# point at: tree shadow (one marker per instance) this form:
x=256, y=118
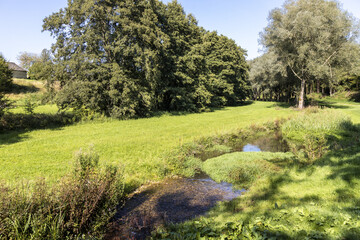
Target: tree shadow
x=210, y=109
x=282, y=105
x=329, y=104
x=169, y=202
x=18, y=89
x=14, y=126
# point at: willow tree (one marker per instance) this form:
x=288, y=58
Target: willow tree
x=309, y=37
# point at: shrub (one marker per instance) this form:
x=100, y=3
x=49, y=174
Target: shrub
x=80, y=205
x=29, y=106
x=5, y=104
x=5, y=75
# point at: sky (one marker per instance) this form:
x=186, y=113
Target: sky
x=242, y=20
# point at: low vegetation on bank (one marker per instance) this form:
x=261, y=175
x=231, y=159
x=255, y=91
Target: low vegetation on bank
x=80, y=204
x=297, y=199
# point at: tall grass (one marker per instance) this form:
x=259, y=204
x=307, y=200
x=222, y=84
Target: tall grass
x=314, y=131
x=80, y=205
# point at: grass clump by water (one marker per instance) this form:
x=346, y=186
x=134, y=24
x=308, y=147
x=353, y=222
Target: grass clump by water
x=243, y=168
x=301, y=201
x=79, y=206
x=313, y=132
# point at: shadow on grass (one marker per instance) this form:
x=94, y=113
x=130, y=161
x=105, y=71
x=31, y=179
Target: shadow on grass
x=329, y=104
x=184, y=113
x=17, y=89
x=13, y=127
x=282, y=105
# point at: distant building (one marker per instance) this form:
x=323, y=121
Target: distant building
x=18, y=72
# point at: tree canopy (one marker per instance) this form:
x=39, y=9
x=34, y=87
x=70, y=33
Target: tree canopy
x=129, y=58
x=312, y=39
x=5, y=75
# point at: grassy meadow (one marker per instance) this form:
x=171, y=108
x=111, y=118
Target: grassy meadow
x=310, y=193
x=138, y=144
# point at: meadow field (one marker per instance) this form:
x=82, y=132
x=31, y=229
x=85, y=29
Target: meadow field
x=311, y=191
x=137, y=145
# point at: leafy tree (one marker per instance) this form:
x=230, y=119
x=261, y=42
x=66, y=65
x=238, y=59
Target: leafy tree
x=214, y=73
x=27, y=59
x=127, y=58
x=42, y=67
x=310, y=37
x=5, y=84
x=5, y=75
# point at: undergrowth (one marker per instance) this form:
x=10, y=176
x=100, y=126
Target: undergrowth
x=79, y=206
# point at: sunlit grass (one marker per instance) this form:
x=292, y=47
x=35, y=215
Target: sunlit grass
x=317, y=200
x=136, y=144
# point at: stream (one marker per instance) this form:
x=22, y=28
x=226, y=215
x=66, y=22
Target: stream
x=180, y=199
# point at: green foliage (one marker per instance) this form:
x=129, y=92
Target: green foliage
x=29, y=106
x=5, y=104
x=315, y=130
x=136, y=58
x=243, y=168
x=5, y=75
x=214, y=73
x=318, y=201
x=311, y=38
x=80, y=205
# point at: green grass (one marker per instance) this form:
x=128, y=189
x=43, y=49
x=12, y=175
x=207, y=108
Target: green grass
x=302, y=201
x=243, y=168
x=136, y=144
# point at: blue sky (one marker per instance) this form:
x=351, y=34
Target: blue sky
x=241, y=20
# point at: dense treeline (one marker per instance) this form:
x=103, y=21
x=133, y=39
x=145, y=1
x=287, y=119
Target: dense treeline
x=311, y=46
x=129, y=58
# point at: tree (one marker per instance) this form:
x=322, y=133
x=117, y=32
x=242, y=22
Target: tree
x=309, y=37
x=5, y=84
x=128, y=58
x=214, y=73
x=42, y=67
x=27, y=59
x=5, y=75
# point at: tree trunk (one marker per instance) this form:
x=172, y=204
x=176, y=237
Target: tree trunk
x=302, y=94
x=317, y=86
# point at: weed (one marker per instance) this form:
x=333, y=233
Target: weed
x=81, y=204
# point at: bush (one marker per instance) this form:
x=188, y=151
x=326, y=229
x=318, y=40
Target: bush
x=29, y=106
x=80, y=205
x=5, y=75
x=5, y=104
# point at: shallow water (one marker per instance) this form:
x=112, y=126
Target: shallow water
x=251, y=148
x=173, y=200
x=180, y=199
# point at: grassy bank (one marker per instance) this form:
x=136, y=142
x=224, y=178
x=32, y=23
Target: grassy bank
x=315, y=199
x=137, y=144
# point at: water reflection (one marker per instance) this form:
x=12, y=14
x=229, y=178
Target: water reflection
x=251, y=148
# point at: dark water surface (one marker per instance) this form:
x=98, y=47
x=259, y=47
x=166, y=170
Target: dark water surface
x=180, y=199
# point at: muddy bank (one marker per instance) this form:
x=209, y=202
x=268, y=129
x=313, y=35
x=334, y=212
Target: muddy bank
x=172, y=201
